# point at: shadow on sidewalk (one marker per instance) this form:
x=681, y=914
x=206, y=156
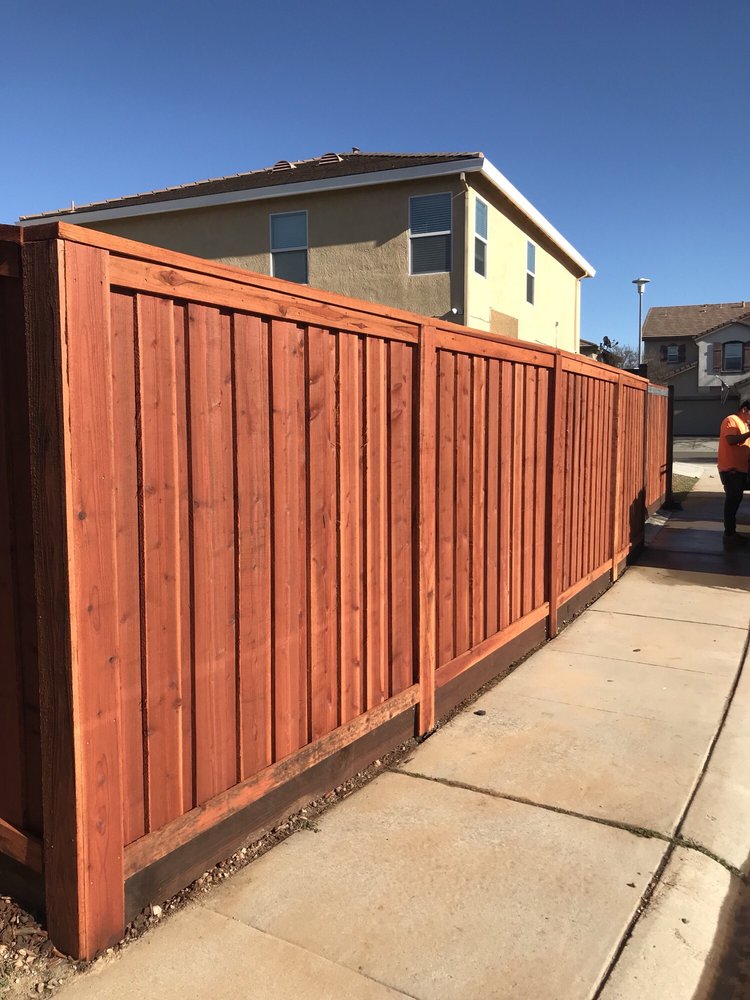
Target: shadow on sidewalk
x=726, y=974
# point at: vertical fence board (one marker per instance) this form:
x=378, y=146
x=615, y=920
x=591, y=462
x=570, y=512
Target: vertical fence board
x=376, y=523
x=478, y=498
x=462, y=572
x=506, y=493
x=493, y=495
x=402, y=472
x=517, y=520
x=541, y=509
x=254, y=542
x=530, y=496
x=162, y=568
x=351, y=494
x=446, y=506
x=213, y=552
x=128, y=575
x=426, y=528
x=290, y=540
x=323, y=521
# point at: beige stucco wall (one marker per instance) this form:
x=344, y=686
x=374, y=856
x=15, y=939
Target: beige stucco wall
x=358, y=241
x=706, y=375
x=555, y=316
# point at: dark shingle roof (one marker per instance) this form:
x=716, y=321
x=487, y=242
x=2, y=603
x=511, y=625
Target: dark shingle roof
x=690, y=321
x=282, y=172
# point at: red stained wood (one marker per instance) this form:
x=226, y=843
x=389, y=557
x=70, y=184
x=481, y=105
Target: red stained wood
x=556, y=464
x=426, y=528
x=212, y=481
x=290, y=540
x=530, y=493
x=162, y=567
x=401, y=477
x=128, y=567
x=517, y=484
x=478, y=499
x=351, y=497
x=506, y=493
x=493, y=497
x=323, y=520
x=376, y=522
x=254, y=542
x=446, y=505
x=541, y=508
x=462, y=572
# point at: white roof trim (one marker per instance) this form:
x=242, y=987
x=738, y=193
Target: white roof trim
x=81, y=216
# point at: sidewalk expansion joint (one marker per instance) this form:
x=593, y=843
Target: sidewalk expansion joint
x=677, y=840
x=665, y=618
x=637, y=663
x=637, y=831
x=316, y=954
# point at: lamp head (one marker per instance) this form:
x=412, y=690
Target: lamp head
x=641, y=283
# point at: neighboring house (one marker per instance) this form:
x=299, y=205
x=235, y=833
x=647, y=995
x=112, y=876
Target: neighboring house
x=443, y=234
x=588, y=349
x=703, y=351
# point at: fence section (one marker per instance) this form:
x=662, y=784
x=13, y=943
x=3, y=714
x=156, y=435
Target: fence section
x=657, y=437
x=272, y=523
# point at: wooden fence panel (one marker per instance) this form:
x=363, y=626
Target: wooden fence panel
x=290, y=522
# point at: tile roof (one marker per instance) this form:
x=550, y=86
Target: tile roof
x=691, y=321
x=282, y=172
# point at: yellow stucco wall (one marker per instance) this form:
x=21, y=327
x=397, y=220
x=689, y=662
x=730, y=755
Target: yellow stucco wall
x=358, y=241
x=554, y=318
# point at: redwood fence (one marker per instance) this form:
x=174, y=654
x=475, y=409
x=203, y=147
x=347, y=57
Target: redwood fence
x=252, y=536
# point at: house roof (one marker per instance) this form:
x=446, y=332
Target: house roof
x=691, y=321
x=678, y=371
x=742, y=320
x=327, y=172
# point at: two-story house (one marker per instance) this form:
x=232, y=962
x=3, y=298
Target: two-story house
x=704, y=352
x=442, y=234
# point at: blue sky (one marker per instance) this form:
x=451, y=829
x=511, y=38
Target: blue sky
x=628, y=126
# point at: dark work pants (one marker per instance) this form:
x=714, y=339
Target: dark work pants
x=734, y=485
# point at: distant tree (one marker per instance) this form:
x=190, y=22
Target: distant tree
x=612, y=352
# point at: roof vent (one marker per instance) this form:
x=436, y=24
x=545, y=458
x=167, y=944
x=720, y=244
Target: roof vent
x=330, y=158
x=283, y=165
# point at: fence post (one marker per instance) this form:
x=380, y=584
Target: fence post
x=615, y=479
x=70, y=385
x=669, y=501
x=426, y=578
x=645, y=476
x=554, y=498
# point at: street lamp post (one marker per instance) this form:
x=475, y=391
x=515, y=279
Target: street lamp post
x=640, y=284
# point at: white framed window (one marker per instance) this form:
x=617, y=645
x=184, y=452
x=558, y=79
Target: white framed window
x=480, y=237
x=530, y=272
x=289, y=246
x=430, y=226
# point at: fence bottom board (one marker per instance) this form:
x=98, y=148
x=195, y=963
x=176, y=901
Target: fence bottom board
x=25, y=885
x=577, y=602
x=495, y=665
x=178, y=869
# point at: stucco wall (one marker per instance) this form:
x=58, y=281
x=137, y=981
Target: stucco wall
x=706, y=374
x=554, y=317
x=652, y=349
x=358, y=241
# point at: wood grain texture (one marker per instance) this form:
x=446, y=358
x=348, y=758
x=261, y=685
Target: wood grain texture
x=446, y=506
x=478, y=550
x=351, y=535
x=402, y=474
x=427, y=529
x=462, y=571
x=506, y=492
x=323, y=505
x=213, y=569
x=493, y=498
x=290, y=541
x=254, y=542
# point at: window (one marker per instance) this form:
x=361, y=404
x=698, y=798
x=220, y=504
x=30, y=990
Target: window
x=673, y=354
x=430, y=233
x=289, y=246
x=732, y=357
x=530, y=272
x=480, y=238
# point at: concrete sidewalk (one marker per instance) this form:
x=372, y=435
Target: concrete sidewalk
x=578, y=832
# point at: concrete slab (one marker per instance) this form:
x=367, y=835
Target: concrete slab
x=687, y=645
x=640, y=690
x=732, y=562
x=446, y=893
x=719, y=817
x=199, y=953
x=672, y=952
x=593, y=761
x=712, y=599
